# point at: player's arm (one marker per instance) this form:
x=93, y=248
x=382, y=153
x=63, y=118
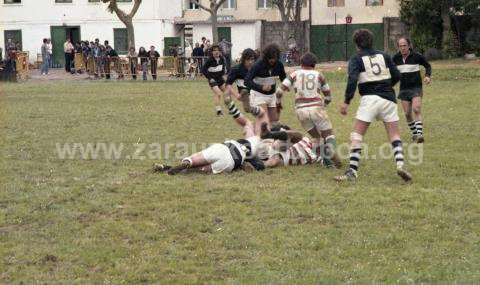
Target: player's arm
x=205, y=67
x=428, y=68
x=252, y=73
x=353, y=73
x=325, y=89
x=285, y=135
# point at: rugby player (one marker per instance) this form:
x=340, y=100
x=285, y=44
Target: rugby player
x=376, y=74
x=221, y=157
x=411, y=89
x=261, y=80
x=214, y=70
x=310, y=105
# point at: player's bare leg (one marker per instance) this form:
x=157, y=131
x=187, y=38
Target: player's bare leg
x=394, y=136
x=217, y=97
x=195, y=161
x=356, y=138
x=417, y=113
x=328, y=151
x=273, y=116
x=407, y=109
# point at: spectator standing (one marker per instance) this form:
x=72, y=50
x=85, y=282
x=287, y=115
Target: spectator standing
x=133, y=62
x=111, y=56
x=50, y=52
x=143, y=55
x=68, y=49
x=226, y=48
x=153, y=55
x=45, y=57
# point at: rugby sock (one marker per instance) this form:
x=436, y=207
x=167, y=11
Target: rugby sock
x=398, y=153
x=412, y=127
x=232, y=110
x=355, y=159
x=331, y=144
x=255, y=111
x=419, y=127
x=281, y=135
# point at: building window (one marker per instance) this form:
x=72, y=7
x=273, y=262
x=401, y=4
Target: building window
x=230, y=4
x=63, y=1
x=336, y=3
x=264, y=4
x=191, y=5
x=373, y=2
x=13, y=39
x=120, y=40
x=93, y=1
x=12, y=1
x=124, y=0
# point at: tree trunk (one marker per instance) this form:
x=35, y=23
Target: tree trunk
x=447, y=28
x=130, y=34
x=214, y=27
x=286, y=35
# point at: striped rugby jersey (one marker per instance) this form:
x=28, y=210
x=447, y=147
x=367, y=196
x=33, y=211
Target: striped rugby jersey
x=214, y=68
x=374, y=72
x=307, y=85
x=410, y=69
x=300, y=153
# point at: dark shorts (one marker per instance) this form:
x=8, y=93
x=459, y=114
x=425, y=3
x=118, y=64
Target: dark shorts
x=216, y=82
x=409, y=94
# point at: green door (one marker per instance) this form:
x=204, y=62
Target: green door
x=59, y=37
x=225, y=33
x=335, y=43
x=169, y=42
x=15, y=36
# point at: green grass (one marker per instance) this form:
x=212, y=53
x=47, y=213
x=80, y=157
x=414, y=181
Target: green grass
x=110, y=221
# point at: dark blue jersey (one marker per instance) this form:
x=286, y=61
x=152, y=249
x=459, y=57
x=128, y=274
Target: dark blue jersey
x=374, y=72
x=263, y=74
x=410, y=69
x=237, y=75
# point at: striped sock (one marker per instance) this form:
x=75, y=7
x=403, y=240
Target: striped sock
x=412, y=127
x=398, y=153
x=355, y=159
x=232, y=110
x=419, y=127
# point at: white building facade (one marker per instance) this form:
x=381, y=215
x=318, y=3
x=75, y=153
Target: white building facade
x=28, y=22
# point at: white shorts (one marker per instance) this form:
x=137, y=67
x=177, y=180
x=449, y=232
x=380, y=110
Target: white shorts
x=257, y=99
x=314, y=118
x=375, y=107
x=219, y=157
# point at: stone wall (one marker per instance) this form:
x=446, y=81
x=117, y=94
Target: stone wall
x=393, y=29
x=272, y=33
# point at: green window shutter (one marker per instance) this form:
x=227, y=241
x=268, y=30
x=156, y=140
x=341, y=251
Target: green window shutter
x=120, y=40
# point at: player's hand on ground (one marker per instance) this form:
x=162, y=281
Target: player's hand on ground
x=344, y=109
x=427, y=80
x=267, y=88
x=328, y=100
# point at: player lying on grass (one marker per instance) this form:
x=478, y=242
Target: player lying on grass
x=411, y=87
x=221, y=157
x=310, y=105
x=284, y=147
x=214, y=71
x=376, y=74
x=262, y=80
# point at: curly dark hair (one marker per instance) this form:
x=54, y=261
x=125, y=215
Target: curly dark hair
x=309, y=60
x=363, y=38
x=248, y=54
x=271, y=51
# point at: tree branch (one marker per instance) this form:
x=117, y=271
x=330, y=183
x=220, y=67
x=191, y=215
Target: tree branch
x=217, y=5
x=136, y=5
x=202, y=6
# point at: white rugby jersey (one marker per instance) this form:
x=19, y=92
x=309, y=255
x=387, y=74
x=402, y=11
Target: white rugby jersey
x=307, y=84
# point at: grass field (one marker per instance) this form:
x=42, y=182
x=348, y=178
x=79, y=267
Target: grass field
x=84, y=221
